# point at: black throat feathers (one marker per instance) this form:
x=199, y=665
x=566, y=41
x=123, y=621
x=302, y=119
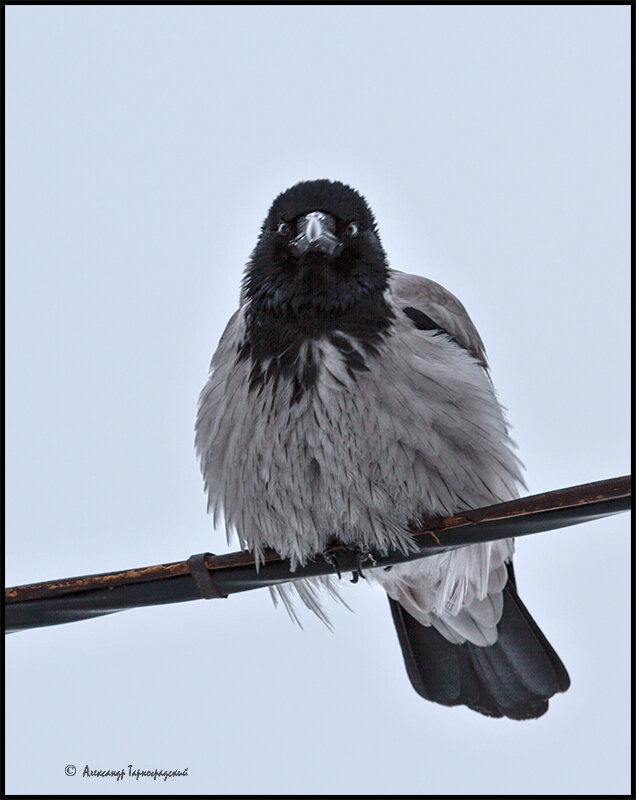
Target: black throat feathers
x=275, y=335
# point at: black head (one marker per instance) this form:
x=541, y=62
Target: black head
x=318, y=253
x=318, y=271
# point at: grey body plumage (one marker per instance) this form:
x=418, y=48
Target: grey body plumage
x=346, y=400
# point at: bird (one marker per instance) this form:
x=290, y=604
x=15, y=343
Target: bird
x=347, y=400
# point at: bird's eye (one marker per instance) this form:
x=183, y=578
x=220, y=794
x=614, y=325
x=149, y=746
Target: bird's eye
x=352, y=230
x=283, y=229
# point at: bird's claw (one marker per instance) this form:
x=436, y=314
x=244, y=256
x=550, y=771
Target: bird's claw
x=330, y=556
x=362, y=556
x=331, y=559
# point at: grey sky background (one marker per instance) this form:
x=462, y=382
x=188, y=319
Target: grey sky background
x=144, y=147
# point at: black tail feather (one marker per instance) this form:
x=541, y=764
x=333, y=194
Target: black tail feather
x=515, y=677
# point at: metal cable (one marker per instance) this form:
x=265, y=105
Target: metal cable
x=209, y=576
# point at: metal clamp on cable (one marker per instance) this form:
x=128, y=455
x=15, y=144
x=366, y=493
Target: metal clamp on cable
x=203, y=578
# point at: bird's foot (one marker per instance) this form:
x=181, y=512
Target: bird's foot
x=361, y=557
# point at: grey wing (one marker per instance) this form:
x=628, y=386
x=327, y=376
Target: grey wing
x=473, y=577
x=439, y=306
x=220, y=402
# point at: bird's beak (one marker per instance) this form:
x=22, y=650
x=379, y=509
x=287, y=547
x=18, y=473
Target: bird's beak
x=316, y=233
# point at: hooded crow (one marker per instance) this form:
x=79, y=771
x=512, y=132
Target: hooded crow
x=346, y=401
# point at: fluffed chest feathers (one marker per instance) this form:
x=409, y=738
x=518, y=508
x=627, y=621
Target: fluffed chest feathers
x=325, y=442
